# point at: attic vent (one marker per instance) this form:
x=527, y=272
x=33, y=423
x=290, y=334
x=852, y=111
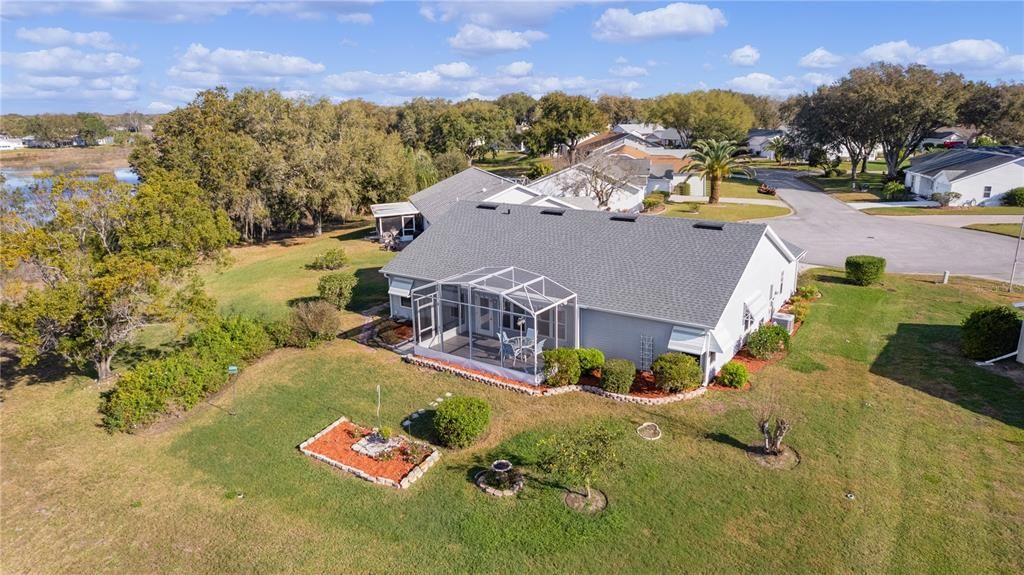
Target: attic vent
x=552, y=211
x=623, y=218
x=487, y=206
x=709, y=225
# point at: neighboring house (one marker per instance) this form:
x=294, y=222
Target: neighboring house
x=8, y=143
x=757, y=142
x=106, y=141
x=981, y=177
x=621, y=178
x=667, y=169
x=409, y=219
x=633, y=286
x=950, y=137
x=652, y=134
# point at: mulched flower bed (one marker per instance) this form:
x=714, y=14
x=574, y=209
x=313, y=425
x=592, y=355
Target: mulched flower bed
x=394, y=332
x=643, y=385
x=335, y=444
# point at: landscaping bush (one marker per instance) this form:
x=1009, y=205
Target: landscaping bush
x=652, y=201
x=894, y=191
x=590, y=359
x=944, y=199
x=990, y=332
x=1014, y=197
x=799, y=309
x=767, y=340
x=181, y=380
x=617, y=375
x=682, y=188
x=733, y=374
x=808, y=292
x=675, y=371
x=865, y=270
x=460, y=420
x=333, y=259
x=539, y=169
x=313, y=322
x=561, y=366
x=336, y=289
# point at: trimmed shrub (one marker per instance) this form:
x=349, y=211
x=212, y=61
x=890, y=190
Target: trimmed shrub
x=561, y=366
x=538, y=169
x=799, y=309
x=944, y=199
x=617, y=375
x=313, y=322
x=733, y=374
x=460, y=420
x=865, y=270
x=767, y=340
x=990, y=332
x=181, y=380
x=336, y=289
x=682, y=188
x=591, y=359
x=653, y=200
x=333, y=259
x=808, y=292
x=675, y=371
x=893, y=191
x=1014, y=197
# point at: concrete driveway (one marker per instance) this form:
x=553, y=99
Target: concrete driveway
x=830, y=231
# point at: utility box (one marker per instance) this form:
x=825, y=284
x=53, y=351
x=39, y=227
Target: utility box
x=787, y=320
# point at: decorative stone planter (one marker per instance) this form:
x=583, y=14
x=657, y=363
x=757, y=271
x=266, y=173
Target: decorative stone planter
x=500, y=466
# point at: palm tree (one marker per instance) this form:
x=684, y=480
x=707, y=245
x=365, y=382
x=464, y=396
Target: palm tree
x=716, y=160
x=777, y=145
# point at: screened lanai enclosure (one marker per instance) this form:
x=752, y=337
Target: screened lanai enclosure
x=495, y=319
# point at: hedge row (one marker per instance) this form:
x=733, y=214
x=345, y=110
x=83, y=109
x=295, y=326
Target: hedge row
x=182, y=379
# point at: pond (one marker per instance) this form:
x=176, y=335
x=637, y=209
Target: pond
x=17, y=179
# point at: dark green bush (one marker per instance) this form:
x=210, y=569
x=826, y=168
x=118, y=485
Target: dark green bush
x=865, y=270
x=808, y=292
x=733, y=374
x=1014, y=197
x=675, y=371
x=561, y=366
x=617, y=375
x=653, y=201
x=591, y=359
x=460, y=420
x=182, y=379
x=336, y=288
x=990, y=332
x=944, y=199
x=767, y=340
x=332, y=259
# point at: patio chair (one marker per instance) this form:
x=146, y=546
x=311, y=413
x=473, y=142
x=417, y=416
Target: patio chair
x=507, y=349
x=531, y=334
x=535, y=349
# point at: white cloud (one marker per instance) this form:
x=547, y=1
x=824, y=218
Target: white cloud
x=768, y=85
x=493, y=14
x=745, y=56
x=362, y=18
x=201, y=66
x=820, y=58
x=679, y=19
x=58, y=36
x=516, y=69
x=71, y=87
x=621, y=60
x=70, y=60
x=474, y=39
x=365, y=82
x=455, y=70
x=628, y=71
x=969, y=54
x=158, y=107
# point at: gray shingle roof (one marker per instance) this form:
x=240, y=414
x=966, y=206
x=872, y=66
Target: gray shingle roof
x=469, y=184
x=658, y=267
x=961, y=163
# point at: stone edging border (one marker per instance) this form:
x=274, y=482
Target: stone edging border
x=410, y=477
x=422, y=362
x=516, y=487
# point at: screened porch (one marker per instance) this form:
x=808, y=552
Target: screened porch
x=495, y=319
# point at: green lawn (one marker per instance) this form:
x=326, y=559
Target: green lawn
x=740, y=188
x=723, y=212
x=883, y=408
x=507, y=163
x=1012, y=230
x=966, y=211
x=840, y=187
x=263, y=279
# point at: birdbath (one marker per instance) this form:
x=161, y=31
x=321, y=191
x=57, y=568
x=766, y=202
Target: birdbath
x=501, y=480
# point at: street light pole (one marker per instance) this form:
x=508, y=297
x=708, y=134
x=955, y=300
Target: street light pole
x=1016, y=254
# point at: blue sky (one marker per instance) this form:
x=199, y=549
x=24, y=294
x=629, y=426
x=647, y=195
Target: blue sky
x=151, y=56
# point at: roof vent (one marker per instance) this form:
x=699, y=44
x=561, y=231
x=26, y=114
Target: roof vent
x=487, y=206
x=709, y=225
x=623, y=217
x=552, y=211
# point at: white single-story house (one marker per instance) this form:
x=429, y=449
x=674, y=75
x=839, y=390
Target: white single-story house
x=489, y=281
x=625, y=177
x=652, y=134
x=8, y=143
x=948, y=138
x=981, y=177
x=757, y=142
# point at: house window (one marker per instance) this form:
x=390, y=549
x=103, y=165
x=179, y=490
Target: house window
x=782, y=281
x=748, y=319
x=404, y=302
x=771, y=292
x=988, y=192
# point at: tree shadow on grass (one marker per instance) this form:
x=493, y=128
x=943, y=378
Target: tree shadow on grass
x=49, y=369
x=353, y=231
x=371, y=289
x=726, y=439
x=927, y=358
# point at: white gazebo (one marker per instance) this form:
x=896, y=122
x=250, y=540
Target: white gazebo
x=495, y=319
